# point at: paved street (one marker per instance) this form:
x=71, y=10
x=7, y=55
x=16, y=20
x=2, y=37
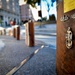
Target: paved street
x=14, y=53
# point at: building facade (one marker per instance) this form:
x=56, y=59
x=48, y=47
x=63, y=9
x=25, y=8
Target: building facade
x=9, y=10
x=25, y=13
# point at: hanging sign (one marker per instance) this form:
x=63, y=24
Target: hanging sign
x=69, y=5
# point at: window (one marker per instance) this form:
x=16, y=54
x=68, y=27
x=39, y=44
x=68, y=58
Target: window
x=1, y=17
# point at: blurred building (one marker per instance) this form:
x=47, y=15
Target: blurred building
x=9, y=10
x=25, y=13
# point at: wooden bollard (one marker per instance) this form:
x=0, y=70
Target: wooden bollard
x=30, y=34
x=14, y=32
x=4, y=31
x=18, y=32
x=10, y=32
x=65, y=53
x=0, y=32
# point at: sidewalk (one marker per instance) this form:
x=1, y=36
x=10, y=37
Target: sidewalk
x=14, y=52
x=1, y=44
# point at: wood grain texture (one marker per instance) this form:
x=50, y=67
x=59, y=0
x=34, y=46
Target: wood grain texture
x=30, y=34
x=65, y=58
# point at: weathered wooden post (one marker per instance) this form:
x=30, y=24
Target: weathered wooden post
x=18, y=32
x=4, y=31
x=65, y=54
x=0, y=32
x=29, y=34
x=14, y=32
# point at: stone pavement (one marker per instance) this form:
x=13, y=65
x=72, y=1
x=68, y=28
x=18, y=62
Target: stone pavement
x=14, y=52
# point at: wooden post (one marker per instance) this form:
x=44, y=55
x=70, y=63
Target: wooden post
x=4, y=31
x=18, y=32
x=65, y=58
x=30, y=34
x=10, y=33
x=0, y=32
x=14, y=32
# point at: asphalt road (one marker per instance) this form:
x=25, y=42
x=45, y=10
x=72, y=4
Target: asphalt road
x=42, y=63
